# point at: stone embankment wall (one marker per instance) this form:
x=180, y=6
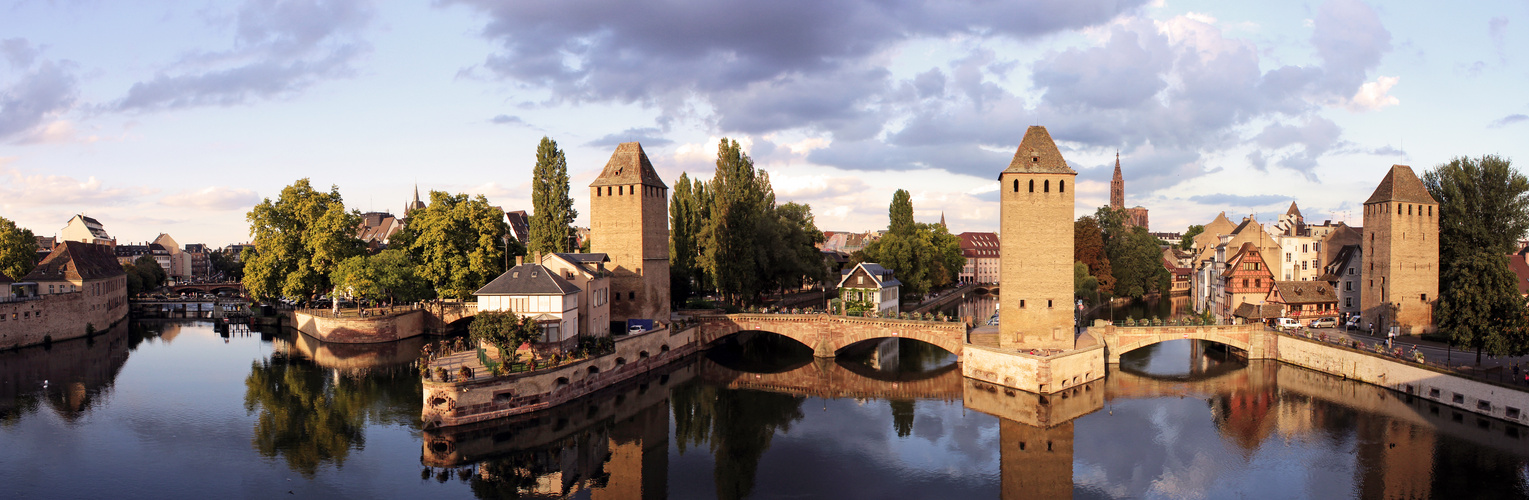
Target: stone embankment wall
x=485, y=398
x=827, y=333
x=355, y=330
x=1040, y=374
x=1407, y=378
x=1253, y=338
x=60, y=316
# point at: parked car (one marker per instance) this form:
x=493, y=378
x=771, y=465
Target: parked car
x=1352, y=324
x=1286, y=324
x=1324, y=323
x=635, y=329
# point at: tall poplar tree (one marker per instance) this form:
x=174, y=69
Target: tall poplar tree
x=684, y=242
x=551, y=224
x=729, y=256
x=18, y=249
x=901, y=213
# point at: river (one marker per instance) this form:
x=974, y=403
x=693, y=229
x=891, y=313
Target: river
x=174, y=410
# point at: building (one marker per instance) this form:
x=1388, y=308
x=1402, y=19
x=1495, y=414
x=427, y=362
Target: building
x=410, y=206
x=587, y=271
x=1401, y=254
x=1171, y=239
x=520, y=226
x=847, y=242
x=376, y=229
x=1518, y=262
x=540, y=293
x=1247, y=280
x=982, y=257
x=870, y=283
x=1177, y=263
x=87, y=230
x=1135, y=216
x=5, y=288
x=1036, y=235
x=77, y=290
x=1304, y=300
x=629, y=217
x=1345, y=274
x=178, y=266
x=201, y=264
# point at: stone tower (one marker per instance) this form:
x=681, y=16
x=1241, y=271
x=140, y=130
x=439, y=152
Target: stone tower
x=1117, y=187
x=1035, y=268
x=1401, y=254
x=629, y=221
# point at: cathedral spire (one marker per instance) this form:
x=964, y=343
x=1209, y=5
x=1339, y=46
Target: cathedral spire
x=1117, y=186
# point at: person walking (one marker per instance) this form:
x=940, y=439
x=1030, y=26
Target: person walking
x=1390, y=335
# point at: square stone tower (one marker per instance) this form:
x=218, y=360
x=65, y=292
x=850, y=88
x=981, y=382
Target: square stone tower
x=1035, y=267
x=629, y=221
x=1401, y=254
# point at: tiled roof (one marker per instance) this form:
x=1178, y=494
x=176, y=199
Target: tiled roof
x=74, y=260
x=882, y=275
x=629, y=165
x=1400, y=184
x=528, y=279
x=6, y=279
x=1305, y=292
x=588, y=262
x=1259, y=311
x=1521, y=270
x=1037, y=153
x=974, y=245
x=1293, y=210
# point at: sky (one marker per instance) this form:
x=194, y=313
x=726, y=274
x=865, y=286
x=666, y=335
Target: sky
x=179, y=116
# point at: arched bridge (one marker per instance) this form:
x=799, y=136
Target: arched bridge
x=824, y=378
x=233, y=287
x=826, y=333
x=1258, y=342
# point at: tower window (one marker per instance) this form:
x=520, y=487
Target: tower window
x=1048, y=303
x=1398, y=209
x=1021, y=303
x=1032, y=185
x=1046, y=185
x=631, y=295
x=1061, y=186
x=1016, y=185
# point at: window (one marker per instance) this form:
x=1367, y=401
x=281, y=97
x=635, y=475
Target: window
x=1061, y=186
x=1287, y=257
x=1303, y=265
x=1048, y=302
x=1046, y=185
x=1032, y=185
x=1350, y=271
x=1021, y=303
x=1348, y=302
x=1258, y=283
x=1016, y=185
x=1305, y=248
x=1425, y=297
x=1348, y=286
x=860, y=280
x=1244, y=282
x=631, y=295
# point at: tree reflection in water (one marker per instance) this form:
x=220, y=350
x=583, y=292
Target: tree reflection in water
x=311, y=417
x=737, y=425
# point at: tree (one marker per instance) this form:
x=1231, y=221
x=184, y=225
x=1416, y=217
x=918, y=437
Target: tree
x=150, y=274
x=1137, y=262
x=1188, y=240
x=387, y=275
x=1088, y=248
x=134, y=282
x=230, y=266
x=18, y=249
x=302, y=236
x=552, y=222
x=1483, y=211
x=901, y=213
x=730, y=236
x=792, y=247
x=1084, y=285
x=504, y=330
x=684, y=240
x=455, y=241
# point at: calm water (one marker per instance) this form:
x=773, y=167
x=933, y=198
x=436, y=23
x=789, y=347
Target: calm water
x=173, y=410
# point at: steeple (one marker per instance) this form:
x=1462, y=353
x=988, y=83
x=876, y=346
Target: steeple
x=1117, y=187
x=942, y=220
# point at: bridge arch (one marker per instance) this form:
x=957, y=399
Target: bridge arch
x=1121, y=340
x=827, y=334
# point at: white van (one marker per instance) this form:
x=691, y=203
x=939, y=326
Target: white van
x=1286, y=324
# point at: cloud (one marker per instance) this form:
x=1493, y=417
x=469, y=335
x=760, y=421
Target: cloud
x=1387, y=151
x=38, y=93
x=1373, y=95
x=38, y=190
x=648, y=136
x=217, y=198
x=1509, y=120
x=1497, y=29
x=507, y=120
x=281, y=48
x=1237, y=200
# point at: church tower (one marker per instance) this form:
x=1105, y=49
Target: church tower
x=1401, y=254
x=1035, y=268
x=629, y=222
x=1118, y=187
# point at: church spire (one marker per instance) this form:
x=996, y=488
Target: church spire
x=942, y=220
x=1117, y=186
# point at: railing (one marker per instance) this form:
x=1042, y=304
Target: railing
x=369, y=312
x=1496, y=374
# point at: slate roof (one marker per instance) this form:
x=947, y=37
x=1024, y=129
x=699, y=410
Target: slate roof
x=520, y=225
x=74, y=261
x=883, y=276
x=588, y=262
x=1520, y=268
x=528, y=279
x=1305, y=292
x=1038, y=154
x=1400, y=184
x=1341, y=259
x=629, y=165
x=6, y=279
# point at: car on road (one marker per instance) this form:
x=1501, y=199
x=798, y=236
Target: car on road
x=635, y=329
x=1324, y=323
x=1286, y=324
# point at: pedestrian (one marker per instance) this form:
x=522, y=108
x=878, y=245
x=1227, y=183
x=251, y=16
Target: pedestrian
x=1390, y=334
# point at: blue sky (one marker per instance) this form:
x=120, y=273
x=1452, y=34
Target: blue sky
x=177, y=117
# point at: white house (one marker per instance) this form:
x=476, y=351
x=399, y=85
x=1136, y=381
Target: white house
x=873, y=283
x=536, y=291
x=587, y=271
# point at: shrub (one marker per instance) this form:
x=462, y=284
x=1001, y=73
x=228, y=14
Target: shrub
x=442, y=375
x=465, y=373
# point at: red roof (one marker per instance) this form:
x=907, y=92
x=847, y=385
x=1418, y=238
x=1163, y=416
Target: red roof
x=1521, y=269
x=974, y=245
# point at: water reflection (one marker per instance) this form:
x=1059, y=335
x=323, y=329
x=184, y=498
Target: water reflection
x=71, y=377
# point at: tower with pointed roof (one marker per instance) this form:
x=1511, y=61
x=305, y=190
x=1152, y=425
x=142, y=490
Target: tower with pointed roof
x=629, y=221
x=1401, y=254
x=1118, y=187
x=1035, y=268
x=410, y=206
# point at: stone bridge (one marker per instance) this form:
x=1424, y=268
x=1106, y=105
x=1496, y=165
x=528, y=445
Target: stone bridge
x=1255, y=340
x=826, y=333
x=824, y=378
x=233, y=288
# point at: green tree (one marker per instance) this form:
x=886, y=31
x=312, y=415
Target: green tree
x=134, y=282
x=302, y=236
x=552, y=222
x=388, y=275
x=504, y=330
x=228, y=264
x=456, y=243
x=1483, y=211
x=730, y=236
x=684, y=239
x=1084, y=285
x=901, y=213
x=797, y=260
x=1137, y=262
x=1188, y=240
x=149, y=272
x=18, y=249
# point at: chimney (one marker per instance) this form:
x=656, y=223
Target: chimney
x=520, y=259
